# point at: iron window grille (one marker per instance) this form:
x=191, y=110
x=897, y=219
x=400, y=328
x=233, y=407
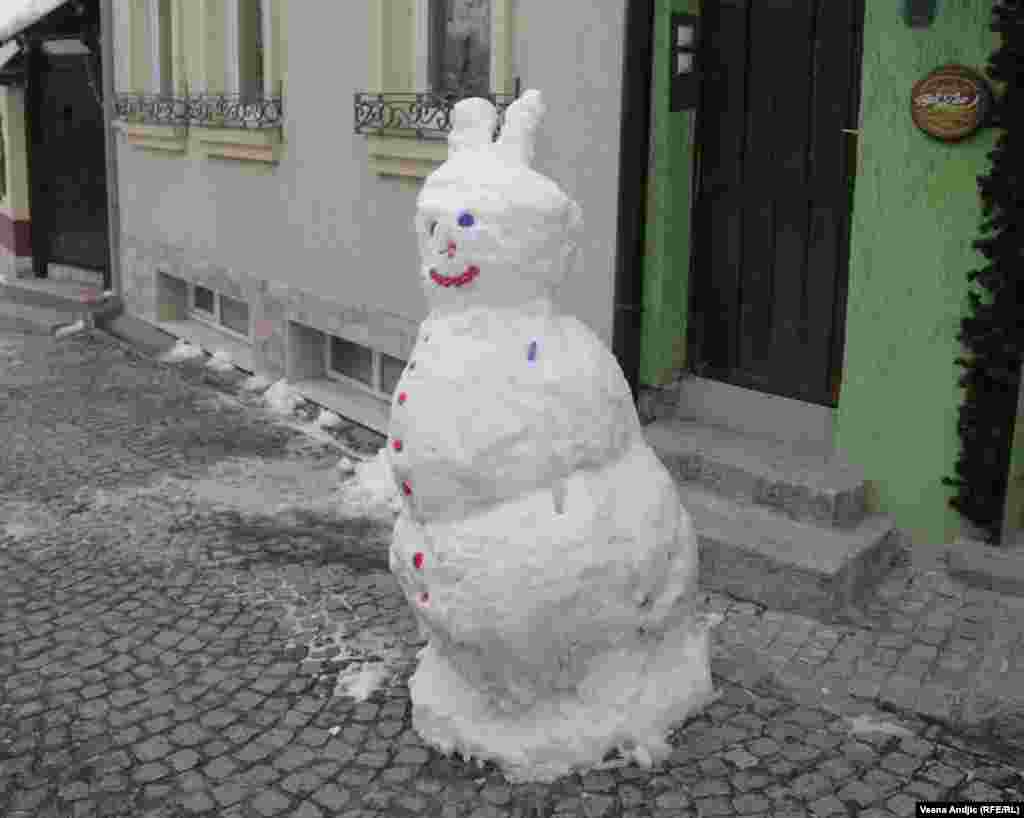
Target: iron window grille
x=367, y=369
x=423, y=115
x=201, y=110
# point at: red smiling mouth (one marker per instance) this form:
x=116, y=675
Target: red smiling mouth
x=455, y=281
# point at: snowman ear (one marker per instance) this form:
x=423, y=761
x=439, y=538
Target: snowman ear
x=473, y=123
x=520, y=129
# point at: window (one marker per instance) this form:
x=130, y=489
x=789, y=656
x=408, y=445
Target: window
x=158, y=25
x=203, y=300
x=445, y=46
x=234, y=315
x=459, y=47
x=246, y=25
x=375, y=371
x=215, y=308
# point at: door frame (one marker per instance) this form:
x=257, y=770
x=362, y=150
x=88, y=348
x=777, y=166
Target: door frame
x=698, y=220
x=68, y=21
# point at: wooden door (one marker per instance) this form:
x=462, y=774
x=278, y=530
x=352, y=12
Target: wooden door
x=774, y=192
x=74, y=162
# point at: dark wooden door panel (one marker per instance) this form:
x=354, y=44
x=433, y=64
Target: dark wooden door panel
x=75, y=163
x=773, y=193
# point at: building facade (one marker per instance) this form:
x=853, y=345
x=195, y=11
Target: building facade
x=273, y=229
x=802, y=247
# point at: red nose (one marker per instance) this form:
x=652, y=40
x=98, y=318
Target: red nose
x=451, y=249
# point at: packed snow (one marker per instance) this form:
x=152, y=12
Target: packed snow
x=540, y=542
x=69, y=329
x=255, y=383
x=282, y=397
x=17, y=15
x=181, y=351
x=328, y=419
x=221, y=361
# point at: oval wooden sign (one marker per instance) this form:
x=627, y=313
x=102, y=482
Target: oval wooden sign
x=951, y=103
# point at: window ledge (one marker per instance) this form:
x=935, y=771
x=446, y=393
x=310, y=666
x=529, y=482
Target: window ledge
x=255, y=145
x=168, y=138
x=349, y=402
x=211, y=339
x=402, y=156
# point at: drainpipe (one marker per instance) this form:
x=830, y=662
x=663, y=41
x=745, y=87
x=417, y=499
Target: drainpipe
x=634, y=147
x=110, y=144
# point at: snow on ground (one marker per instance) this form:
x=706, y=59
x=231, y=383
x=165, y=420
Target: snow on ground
x=181, y=351
x=371, y=488
x=328, y=626
x=19, y=520
x=255, y=383
x=869, y=724
x=221, y=361
x=327, y=419
x=283, y=398
x=69, y=329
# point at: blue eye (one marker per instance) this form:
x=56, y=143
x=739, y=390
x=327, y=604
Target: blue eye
x=466, y=219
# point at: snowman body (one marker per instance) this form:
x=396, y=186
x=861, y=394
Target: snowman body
x=542, y=544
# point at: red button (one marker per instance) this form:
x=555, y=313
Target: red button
x=417, y=559
x=401, y=397
x=406, y=488
x=398, y=445
x=424, y=598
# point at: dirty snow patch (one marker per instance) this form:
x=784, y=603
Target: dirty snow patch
x=870, y=724
x=221, y=361
x=360, y=681
x=371, y=487
x=255, y=383
x=69, y=329
x=181, y=351
x=282, y=397
x=19, y=520
x=327, y=419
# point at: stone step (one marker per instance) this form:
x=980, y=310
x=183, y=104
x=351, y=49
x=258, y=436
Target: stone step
x=801, y=480
x=753, y=553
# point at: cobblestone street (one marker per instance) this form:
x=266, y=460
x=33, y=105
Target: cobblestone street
x=189, y=625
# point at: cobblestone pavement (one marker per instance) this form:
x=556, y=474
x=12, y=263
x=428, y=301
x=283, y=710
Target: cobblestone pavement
x=189, y=627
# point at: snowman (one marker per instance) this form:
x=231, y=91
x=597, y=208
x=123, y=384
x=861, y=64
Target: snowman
x=541, y=545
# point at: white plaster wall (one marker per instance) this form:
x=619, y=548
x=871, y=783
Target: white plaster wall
x=320, y=220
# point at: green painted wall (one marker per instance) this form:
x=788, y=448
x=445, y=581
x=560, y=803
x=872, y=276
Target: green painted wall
x=916, y=212
x=667, y=256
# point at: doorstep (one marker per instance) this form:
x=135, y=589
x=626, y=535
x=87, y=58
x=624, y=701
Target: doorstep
x=980, y=565
x=782, y=524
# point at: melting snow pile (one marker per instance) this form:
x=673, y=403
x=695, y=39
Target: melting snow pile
x=369, y=489
x=181, y=351
x=255, y=383
x=283, y=398
x=327, y=419
x=221, y=361
x=69, y=329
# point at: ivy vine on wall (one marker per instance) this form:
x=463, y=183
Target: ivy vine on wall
x=992, y=332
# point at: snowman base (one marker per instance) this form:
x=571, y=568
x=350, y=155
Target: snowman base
x=627, y=702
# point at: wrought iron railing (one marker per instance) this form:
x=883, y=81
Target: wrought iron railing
x=418, y=115
x=200, y=110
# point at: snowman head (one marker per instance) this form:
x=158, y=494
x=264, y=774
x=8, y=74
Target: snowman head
x=492, y=231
